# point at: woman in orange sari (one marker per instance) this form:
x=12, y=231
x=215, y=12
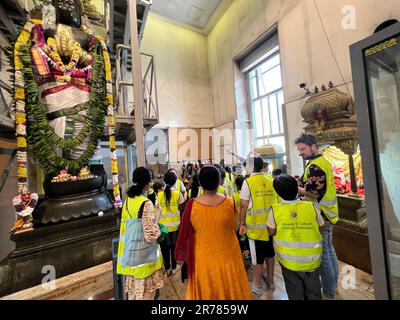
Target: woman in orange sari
x=208, y=244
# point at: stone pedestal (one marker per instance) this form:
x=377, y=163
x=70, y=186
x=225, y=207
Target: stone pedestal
x=68, y=247
x=350, y=234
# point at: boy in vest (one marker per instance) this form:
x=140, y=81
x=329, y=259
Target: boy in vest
x=317, y=185
x=296, y=225
x=257, y=196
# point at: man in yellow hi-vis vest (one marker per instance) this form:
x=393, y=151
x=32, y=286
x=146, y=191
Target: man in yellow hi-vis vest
x=296, y=226
x=257, y=196
x=317, y=184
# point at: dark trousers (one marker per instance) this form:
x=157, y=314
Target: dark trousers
x=302, y=285
x=168, y=250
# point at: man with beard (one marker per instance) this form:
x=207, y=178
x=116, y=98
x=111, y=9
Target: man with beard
x=317, y=184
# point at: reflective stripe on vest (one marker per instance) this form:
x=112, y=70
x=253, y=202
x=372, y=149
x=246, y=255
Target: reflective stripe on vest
x=261, y=211
x=263, y=196
x=257, y=227
x=297, y=242
x=144, y=270
x=328, y=203
x=170, y=218
x=300, y=259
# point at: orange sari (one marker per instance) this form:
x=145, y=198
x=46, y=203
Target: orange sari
x=219, y=272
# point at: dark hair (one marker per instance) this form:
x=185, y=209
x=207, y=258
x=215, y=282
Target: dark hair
x=307, y=139
x=157, y=186
x=239, y=182
x=258, y=163
x=194, y=187
x=223, y=173
x=174, y=171
x=276, y=172
x=265, y=164
x=286, y=186
x=141, y=177
x=169, y=179
x=228, y=169
x=209, y=178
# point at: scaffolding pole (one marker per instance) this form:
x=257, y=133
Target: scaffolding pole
x=137, y=85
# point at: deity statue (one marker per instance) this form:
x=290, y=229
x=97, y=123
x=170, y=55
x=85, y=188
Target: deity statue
x=63, y=87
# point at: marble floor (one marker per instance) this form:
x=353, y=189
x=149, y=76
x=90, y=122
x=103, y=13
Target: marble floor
x=354, y=284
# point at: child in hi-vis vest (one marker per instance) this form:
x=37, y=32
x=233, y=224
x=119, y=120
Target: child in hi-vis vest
x=295, y=225
x=169, y=200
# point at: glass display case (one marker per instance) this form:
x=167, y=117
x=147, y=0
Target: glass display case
x=376, y=76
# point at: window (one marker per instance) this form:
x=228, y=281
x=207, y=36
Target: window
x=266, y=95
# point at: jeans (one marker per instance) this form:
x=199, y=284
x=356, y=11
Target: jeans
x=329, y=269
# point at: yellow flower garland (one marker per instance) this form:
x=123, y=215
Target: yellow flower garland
x=75, y=56
x=19, y=94
x=20, y=115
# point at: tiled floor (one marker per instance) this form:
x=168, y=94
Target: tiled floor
x=354, y=284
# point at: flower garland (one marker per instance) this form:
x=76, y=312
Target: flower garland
x=20, y=114
x=111, y=125
x=75, y=56
x=42, y=139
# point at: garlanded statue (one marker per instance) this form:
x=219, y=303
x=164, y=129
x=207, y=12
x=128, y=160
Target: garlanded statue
x=63, y=93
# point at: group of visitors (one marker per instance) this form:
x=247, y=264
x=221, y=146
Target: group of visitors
x=226, y=217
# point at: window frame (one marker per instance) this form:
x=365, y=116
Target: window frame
x=261, y=98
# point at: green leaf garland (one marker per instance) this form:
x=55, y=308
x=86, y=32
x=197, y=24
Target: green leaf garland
x=42, y=139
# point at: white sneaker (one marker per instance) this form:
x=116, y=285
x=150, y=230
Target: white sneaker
x=169, y=271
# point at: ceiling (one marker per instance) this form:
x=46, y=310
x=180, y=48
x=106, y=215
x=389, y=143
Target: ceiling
x=200, y=15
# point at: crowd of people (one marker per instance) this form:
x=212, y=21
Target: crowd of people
x=225, y=216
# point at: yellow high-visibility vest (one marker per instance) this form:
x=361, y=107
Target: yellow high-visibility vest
x=171, y=218
x=236, y=197
x=263, y=196
x=229, y=186
x=144, y=270
x=298, y=241
x=328, y=203
x=178, y=184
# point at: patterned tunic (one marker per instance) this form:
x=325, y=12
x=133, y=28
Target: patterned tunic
x=142, y=289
